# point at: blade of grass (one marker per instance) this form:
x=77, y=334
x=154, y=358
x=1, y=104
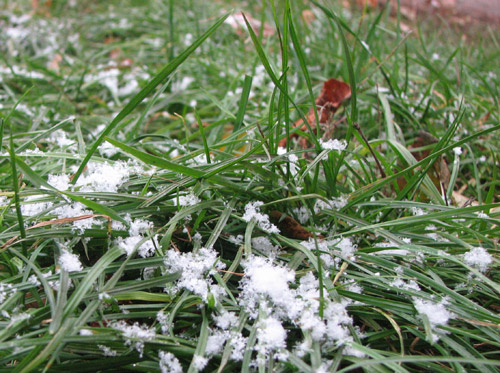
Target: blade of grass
x=39, y=182
x=139, y=97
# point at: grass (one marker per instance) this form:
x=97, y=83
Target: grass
x=139, y=136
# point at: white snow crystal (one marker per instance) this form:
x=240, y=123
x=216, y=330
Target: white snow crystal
x=135, y=335
x=193, y=267
x=169, y=363
x=107, y=351
x=271, y=335
x=70, y=262
x=265, y=281
x=478, y=257
x=199, y=362
x=265, y=245
x=252, y=211
x=335, y=203
x=302, y=214
x=226, y=320
x=435, y=312
x=333, y=144
x=216, y=341
x=187, y=200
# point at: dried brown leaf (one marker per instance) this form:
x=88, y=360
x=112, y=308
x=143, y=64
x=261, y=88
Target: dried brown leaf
x=237, y=22
x=289, y=227
x=332, y=95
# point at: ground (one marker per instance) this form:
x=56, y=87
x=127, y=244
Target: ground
x=299, y=187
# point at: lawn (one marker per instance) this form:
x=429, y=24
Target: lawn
x=170, y=200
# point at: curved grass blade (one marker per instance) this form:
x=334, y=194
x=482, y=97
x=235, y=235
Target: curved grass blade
x=139, y=97
x=39, y=182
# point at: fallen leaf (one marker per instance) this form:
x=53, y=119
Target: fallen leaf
x=54, y=63
x=367, y=3
x=237, y=22
x=308, y=16
x=289, y=227
x=41, y=9
x=333, y=93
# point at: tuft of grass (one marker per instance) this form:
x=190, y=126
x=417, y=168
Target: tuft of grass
x=143, y=137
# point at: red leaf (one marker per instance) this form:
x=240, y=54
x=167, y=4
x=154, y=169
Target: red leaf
x=333, y=93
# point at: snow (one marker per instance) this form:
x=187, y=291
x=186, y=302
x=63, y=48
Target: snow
x=302, y=214
x=193, y=267
x=436, y=313
x=265, y=245
x=226, y=320
x=107, y=177
x=199, y=362
x=187, y=200
x=479, y=258
x=86, y=332
x=335, y=203
x=216, y=341
x=270, y=335
x=181, y=85
x=264, y=281
x=252, y=211
x=106, y=351
x=5, y=291
x=70, y=262
x=333, y=144
x=135, y=335
x=163, y=320
x=169, y=363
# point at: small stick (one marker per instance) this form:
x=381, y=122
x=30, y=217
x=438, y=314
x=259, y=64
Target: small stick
x=358, y=128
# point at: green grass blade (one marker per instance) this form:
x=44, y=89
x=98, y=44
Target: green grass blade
x=139, y=97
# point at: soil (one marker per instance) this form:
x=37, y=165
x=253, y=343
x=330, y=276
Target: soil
x=460, y=11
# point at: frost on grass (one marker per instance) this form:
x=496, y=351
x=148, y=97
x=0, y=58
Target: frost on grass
x=302, y=214
x=99, y=177
x=34, y=205
x=264, y=283
x=199, y=362
x=293, y=160
x=107, y=351
x=271, y=336
x=86, y=332
x=70, y=262
x=336, y=203
x=226, y=320
x=216, y=341
x=436, y=313
x=479, y=258
x=169, y=363
x=187, y=200
x=6, y=290
x=107, y=177
x=163, y=320
x=138, y=238
x=264, y=245
x=333, y=144
x=252, y=212
x=224, y=332
x=332, y=251
x=194, y=268
x=135, y=335
x=266, y=289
